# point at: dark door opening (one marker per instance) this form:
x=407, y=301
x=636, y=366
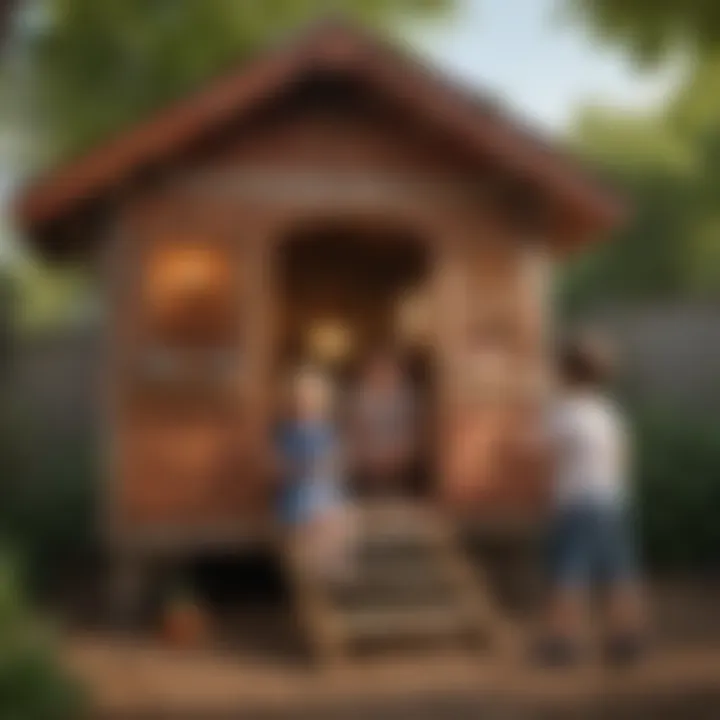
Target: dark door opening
x=341, y=297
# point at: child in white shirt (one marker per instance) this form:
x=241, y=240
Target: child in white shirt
x=591, y=531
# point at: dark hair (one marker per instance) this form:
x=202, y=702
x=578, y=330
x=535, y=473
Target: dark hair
x=586, y=360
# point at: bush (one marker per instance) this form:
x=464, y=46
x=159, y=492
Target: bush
x=49, y=446
x=47, y=500
x=678, y=489
x=32, y=684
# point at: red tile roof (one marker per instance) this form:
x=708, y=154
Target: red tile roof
x=335, y=47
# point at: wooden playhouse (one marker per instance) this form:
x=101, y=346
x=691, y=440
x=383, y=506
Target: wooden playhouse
x=324, y=192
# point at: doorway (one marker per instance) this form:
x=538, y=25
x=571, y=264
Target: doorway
x=346, y=294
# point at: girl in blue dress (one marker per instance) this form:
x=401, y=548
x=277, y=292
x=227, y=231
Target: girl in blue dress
x=312, y=501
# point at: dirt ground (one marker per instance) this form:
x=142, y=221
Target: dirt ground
x=142, y=681
x=256, y=668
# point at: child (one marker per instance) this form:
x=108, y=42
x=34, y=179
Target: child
x=383, y=425
x=312, y=500
x=591, y=534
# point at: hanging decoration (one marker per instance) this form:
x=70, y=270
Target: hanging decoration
x=189, y=291
x=329, y=341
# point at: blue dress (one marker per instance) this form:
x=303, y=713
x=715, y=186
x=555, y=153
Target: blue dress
x=310, y=486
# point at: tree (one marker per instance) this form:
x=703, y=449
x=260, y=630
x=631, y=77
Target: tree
x=651, y=29
x=668, y=164
x=76, y=71
x=7, y=8
x=90, y=68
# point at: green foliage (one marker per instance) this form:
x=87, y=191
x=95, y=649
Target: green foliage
x=48, y=492
x=667, y=164
x=95, y=67
x=32, y=684
x=49, y=297
x=696, y=107
x=678, y=487
x=652, y=28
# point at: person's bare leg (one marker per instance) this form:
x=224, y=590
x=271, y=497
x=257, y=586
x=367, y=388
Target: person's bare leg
x=563, y=627
x=336, y=533
x=626, y=610
x=567, y=615
x=303, y=544
x=626, y=624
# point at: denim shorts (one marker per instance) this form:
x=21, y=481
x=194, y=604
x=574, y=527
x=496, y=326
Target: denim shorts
x=302, y=503
x=592, y=542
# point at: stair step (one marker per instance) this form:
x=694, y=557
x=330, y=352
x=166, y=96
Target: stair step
x=416, y=574
x=396, y=518
x=399, y=528
x=368, y=550
x=391, y=526
x=385, y=624
x=413, y=584
x=395, y=509
x=394, y=572
x=408, y=597
x=372, y=545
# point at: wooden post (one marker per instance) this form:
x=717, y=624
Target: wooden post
x=449, y=319
x=535, y=286
x=127, y=589
x=259, y=338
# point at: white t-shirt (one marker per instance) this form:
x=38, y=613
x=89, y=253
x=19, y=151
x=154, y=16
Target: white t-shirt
x=590, y=441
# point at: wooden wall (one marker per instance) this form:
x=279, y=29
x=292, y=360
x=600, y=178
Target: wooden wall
x=191, y=459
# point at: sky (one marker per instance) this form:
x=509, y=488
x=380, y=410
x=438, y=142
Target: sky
x=536, y=61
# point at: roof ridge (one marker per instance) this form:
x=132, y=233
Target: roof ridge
x=335, y=44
